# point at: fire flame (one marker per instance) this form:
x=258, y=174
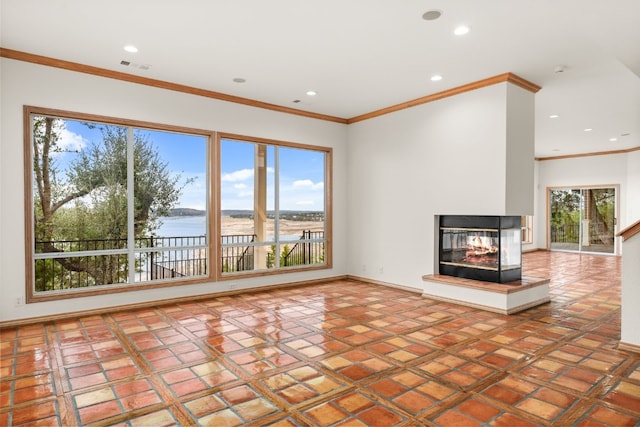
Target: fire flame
x=480, y=246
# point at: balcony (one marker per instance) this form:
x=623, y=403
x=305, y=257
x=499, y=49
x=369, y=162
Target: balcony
x=158, y=258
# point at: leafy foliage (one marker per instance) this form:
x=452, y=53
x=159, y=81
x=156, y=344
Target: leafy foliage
x=570, y=209
x=86, y=202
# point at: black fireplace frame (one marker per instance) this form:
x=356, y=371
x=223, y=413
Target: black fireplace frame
x=471, y=222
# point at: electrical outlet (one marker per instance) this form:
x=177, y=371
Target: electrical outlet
x=381, y=270
x=19, y=301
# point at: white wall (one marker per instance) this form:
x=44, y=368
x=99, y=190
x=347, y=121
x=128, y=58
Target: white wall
x=443, y=157
x=30, y=84
x=630, y=292
x=632, y=208
x=584, y=171
x=520, y=152
x=630, y=317
x=535, y=243
x=2, y=201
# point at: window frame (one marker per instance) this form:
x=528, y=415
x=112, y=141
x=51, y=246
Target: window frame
x=213, y=203
x=31, y=295
x=328, y=197
x=527, y=229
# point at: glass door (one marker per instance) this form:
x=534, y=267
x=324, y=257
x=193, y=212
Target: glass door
x=582, y=219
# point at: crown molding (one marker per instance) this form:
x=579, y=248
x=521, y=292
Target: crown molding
x=501, y=78
x=117, y=75
x=597, y=153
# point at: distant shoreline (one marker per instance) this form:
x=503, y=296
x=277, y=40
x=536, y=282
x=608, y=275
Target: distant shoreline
x=248, y=214
x=186, y=212
x=195, y=225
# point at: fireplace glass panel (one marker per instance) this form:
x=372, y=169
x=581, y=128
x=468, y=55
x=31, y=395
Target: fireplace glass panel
x=481, y=248
x=470, y=248
x=512, y=252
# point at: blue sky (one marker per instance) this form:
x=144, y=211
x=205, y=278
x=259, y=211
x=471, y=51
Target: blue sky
x=301, y=171
x=301, y=177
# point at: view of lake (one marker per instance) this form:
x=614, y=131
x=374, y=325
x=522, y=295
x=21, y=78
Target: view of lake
x=176, y=226
x=180, y=226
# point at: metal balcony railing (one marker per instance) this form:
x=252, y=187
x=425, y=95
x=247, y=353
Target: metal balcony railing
x=71, y=264
x=237, y=253
x=310, y=249
x=570, y=233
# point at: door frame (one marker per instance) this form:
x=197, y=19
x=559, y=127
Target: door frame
x=616, y=238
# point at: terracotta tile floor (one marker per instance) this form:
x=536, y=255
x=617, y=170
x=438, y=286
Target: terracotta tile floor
x=337, y=354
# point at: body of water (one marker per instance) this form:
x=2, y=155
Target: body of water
x=181, y=226
x=176, y=226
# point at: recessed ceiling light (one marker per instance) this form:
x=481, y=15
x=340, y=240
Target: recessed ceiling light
x=239, y=80
x=613, y=139
x=554, y=116
x=588, y=130
x=312, y=93
x=131, y=48
x=556, y=149
x=432, y=15
x=461, y=30
x=436, y=78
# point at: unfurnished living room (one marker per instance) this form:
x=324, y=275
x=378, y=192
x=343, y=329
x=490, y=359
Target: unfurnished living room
x=286, y=213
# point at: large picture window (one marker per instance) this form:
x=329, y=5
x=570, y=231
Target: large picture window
x=273, y=201
x=113, y=204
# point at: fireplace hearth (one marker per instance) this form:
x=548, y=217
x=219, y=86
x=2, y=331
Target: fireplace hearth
x=485, y=248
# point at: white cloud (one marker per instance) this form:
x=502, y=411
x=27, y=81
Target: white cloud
x=307, y=183
x=239, y=175
x=302, y=194
x=303, y=183
x=70, y=142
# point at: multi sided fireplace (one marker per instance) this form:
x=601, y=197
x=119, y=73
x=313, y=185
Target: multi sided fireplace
x=486, y=248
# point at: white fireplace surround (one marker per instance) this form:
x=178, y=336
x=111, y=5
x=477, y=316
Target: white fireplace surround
x=503, y=298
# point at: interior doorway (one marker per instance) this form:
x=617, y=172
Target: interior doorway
x=583, y=219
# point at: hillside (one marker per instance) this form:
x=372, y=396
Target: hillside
x=186, y=212
x=247, y=214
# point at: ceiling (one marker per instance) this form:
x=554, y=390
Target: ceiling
x=364, y=55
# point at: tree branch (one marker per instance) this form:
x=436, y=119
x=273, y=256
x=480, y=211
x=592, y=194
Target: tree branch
x=67, y=199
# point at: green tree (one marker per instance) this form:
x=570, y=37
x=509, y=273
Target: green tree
x=271, y=256
x=88, y=199
x=570, y=207
x=599, y=209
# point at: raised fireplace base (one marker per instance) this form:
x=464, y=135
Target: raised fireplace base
x=503, y=298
